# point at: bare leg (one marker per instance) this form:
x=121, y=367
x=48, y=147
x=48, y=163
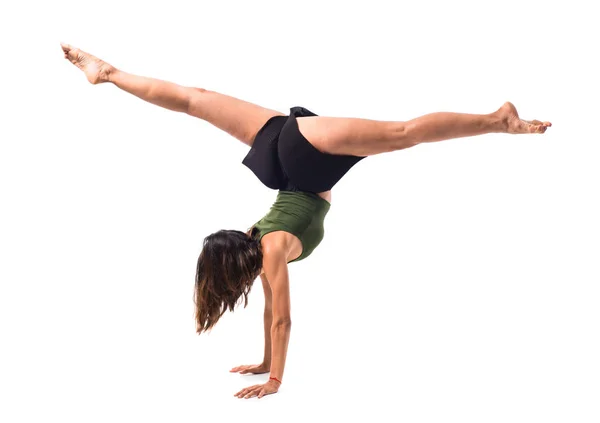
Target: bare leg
x=444, y=126
x=239, y=118
x=364, y=137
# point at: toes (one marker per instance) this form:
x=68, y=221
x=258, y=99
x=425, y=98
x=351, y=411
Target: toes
x=536, y=122
x=532, y=122
x=531, y=126
x=543, y=126
x=522, y=126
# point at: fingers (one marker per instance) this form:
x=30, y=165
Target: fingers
x=249, y=392
x=244, y=391
x=254, y=392
x=251, y=368
x=266, y=390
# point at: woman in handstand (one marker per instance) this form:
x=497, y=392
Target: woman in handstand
x=302, y=156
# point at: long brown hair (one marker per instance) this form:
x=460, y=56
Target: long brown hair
x=229, y=263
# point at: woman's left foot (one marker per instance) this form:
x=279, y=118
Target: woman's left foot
x=515, y=125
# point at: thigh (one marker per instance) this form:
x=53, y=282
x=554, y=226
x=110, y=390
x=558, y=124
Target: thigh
x=238, y=118
x=352, y=136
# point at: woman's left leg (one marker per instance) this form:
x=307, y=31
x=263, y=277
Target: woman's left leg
x=365, y=137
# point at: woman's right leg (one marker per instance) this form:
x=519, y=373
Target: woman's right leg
x=239, y=118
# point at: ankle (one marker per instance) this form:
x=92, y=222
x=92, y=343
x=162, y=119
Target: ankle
x=497, y=122
x=110, y=74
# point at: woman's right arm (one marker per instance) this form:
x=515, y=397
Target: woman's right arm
x=268, y=321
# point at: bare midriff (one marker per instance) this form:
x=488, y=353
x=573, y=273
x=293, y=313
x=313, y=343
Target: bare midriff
x=325, y=195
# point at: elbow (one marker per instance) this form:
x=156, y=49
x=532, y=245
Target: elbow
x=282, y=324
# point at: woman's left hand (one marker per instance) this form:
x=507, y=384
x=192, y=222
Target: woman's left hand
x=270, y=387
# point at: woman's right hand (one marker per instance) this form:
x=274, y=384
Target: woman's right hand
x=251, y=368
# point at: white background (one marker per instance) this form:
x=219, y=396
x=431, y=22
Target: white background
x=457, y=281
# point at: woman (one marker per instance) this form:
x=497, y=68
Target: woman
x=302, y=156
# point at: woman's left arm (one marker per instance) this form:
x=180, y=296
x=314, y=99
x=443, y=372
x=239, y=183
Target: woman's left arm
x=276, y=271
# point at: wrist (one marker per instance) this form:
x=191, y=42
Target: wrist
x=275, y=379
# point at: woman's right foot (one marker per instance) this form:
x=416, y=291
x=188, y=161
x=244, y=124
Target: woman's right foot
x=96, y=70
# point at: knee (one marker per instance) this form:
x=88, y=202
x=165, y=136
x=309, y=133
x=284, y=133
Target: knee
x=195, y=93
x=402, y=136
x=194, y=98
x=198, y=90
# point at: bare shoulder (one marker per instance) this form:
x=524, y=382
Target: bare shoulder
x=275, y=244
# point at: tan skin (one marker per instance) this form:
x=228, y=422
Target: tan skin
x=333, y=135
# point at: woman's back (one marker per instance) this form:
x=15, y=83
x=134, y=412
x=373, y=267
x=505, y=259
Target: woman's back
x=299, y=213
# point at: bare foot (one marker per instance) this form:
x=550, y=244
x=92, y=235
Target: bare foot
x=515, y=125
x=96, y=70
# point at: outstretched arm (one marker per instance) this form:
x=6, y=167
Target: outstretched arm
x=268, y=320
x=276, y=271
